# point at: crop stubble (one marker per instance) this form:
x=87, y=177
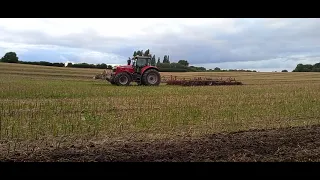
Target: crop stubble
x=55, y=106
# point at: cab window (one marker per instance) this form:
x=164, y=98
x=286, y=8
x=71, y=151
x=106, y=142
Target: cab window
x=141, y=62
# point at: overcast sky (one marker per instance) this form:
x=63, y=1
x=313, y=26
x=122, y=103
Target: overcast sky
x=260, y=44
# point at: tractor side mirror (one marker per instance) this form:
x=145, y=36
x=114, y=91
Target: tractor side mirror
x=129, y=62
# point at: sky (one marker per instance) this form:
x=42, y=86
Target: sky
x=251, y=43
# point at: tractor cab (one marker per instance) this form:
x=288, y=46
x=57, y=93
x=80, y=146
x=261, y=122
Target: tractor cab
x=140, y=61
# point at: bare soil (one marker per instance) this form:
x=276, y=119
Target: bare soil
x=290, y=144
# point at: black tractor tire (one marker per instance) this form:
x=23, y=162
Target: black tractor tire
x=151, y=77
x=122, y=79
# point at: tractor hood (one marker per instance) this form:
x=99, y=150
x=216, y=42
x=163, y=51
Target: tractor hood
x=126, y=66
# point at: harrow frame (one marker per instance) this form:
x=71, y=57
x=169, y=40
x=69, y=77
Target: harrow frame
x=199, y=81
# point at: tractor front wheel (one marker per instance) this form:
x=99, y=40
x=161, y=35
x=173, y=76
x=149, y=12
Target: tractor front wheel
x=151, y=78
x=112, y=80
x=122, y=79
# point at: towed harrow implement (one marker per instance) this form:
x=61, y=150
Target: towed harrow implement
x=202, y=81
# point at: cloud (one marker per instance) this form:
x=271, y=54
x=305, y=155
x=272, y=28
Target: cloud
x=231, y=43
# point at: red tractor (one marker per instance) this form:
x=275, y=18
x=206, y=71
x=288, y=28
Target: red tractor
x=140, y=71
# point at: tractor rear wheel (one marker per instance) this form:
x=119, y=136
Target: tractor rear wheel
x=151, y=78
x=122, y=79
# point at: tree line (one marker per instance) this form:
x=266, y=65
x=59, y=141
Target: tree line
x=164, y=65
x=11, y=57
x=307, y=68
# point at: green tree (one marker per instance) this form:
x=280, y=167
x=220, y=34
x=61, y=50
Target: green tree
x=217, y=69
x=316, y=65
x=158, y=63
x=308, y=68
x=134, y=53
x=303, y=68
x=165, y=59
x=153, y=60
x=102, y=66
x=284, y=70
x=184, y=62
x=10, y=57
x=147, y=52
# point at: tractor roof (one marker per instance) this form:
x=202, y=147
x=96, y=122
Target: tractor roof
x=145, y=57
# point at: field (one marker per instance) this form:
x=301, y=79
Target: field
x=62, y=114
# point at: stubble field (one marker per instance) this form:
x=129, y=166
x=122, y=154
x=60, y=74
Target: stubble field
x=62, y=114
